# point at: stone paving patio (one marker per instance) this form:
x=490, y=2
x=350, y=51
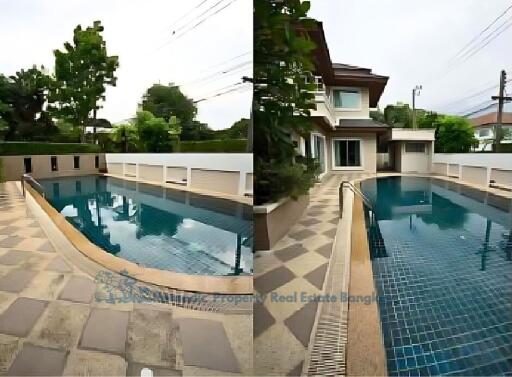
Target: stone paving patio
x=53, y=320
x=298, y=263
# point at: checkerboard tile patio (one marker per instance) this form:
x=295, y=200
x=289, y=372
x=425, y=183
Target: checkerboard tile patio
x=297, y=265
x=51, y=322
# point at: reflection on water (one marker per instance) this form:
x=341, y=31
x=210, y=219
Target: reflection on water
x=424, y=211
x=157, y=227
x=441, y=263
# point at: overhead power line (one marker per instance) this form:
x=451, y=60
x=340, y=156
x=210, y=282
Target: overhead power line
x=178, y=20
x=197, y=17
x=487, y=40
x=238, y=88
x=200, y=22
x=473, y=95
x=475, y=38
x=475, y=45
x=239, y=68
x=480, y=110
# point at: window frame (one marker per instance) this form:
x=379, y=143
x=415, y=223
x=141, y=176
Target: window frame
x=75, y=160
x=56, y=163
x=25, y=170
x=97, y=162
x=346, y=89
x=361, y=154
x=415, y=143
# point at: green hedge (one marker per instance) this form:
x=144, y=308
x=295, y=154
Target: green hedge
x=214, y=146
x=29, y=148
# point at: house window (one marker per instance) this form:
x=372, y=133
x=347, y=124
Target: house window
x=347, y=99
x=415, y=148
x=53, y=163
x=347, y=153
x=76, y=162
x=97, y=162
x=27, y=163
x=484, y=133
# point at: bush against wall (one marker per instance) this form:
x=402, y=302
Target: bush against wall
x=22, y=148
x=214, y=146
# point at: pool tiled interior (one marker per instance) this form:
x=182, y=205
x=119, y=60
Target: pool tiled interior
x=57, y=320
x=446, y=295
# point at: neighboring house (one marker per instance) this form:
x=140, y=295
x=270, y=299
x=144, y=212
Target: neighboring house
x=484, y=126
x=345, y=138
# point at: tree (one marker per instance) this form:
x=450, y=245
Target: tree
x=165, y=101
x=125, y=136
x=22, y=98
x=283, y=59
x=454, y=135
x=5, y=109
x=378, y=116
x=398, y=115
x=82, y=72
x=238, y=130
x=155, y=134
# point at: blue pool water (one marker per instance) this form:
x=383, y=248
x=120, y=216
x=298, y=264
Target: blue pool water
x=155, y=226
x=442, y=265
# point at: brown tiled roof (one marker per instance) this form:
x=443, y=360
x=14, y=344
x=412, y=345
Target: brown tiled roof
x=490, y=118
x=338, y=74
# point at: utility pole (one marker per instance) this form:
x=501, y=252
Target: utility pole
x=499, y=116
x=415, y=93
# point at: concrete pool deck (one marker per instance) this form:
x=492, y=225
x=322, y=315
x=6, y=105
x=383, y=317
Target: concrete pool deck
x=58, y=317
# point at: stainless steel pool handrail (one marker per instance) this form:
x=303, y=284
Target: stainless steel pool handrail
x=356, y=191
x=27, y=178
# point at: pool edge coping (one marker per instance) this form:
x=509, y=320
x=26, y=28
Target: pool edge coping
x=239, y=285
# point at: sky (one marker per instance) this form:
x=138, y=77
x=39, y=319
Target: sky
x=414, y=43
x=139, y=32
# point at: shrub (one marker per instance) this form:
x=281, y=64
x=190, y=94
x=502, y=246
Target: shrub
x=27, y=148
x=277, y=181
x=214, y=146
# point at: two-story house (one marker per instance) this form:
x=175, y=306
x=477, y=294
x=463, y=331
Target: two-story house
x=485, y=126
x=345, y=138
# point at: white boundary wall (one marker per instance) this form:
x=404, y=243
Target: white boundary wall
x=477, y=168
x=236, y=163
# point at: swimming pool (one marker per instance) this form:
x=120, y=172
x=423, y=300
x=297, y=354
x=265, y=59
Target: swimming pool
x=157, y=227
x=442, y=266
